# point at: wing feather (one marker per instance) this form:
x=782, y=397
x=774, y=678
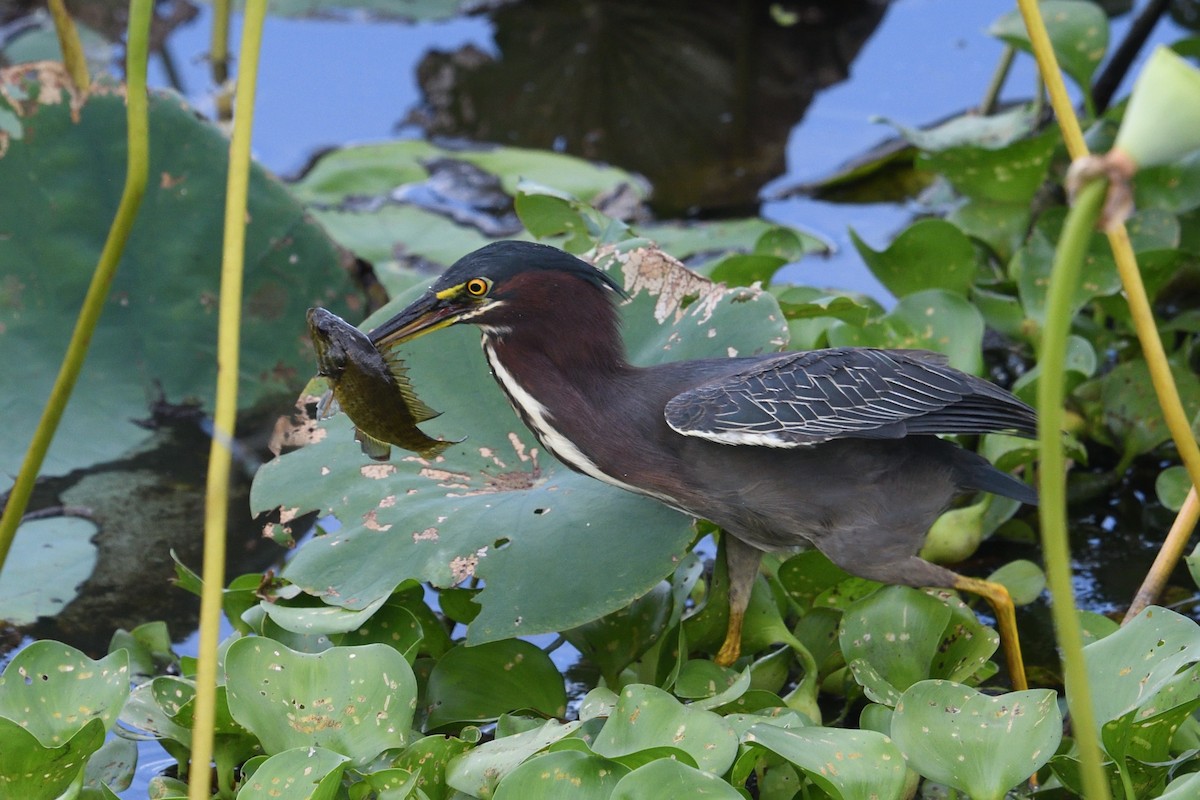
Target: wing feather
x=804, y=398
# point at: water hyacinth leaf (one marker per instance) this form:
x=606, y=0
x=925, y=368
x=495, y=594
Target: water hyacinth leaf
x=1174, y=188
x=978, y=744
x=845, y=764
x=495, y=506
x=933, y=319
x=1127, y=668
x=744, y=269
x=1147, y=735
x=386, y=784
x=112, y=765
x=890, y=638
x=428, y=758
x=647, y=717
x=393, y=625
x=665, y=779
x=1078, y=33
x=357, y=701
x=1024, y=580
x=479, y=684
x=561, y=774
x=313, y=773
x=616, y=640
x=1183, y=788
x=1011, y=174
x=999, y=225
x=30, y=769
x=156, y=338
x=899, y=636
x=478, y=771
x=53, y=690
x=1122, y=409
x=929, y=254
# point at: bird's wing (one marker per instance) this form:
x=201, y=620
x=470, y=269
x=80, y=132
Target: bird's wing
x=805, y=398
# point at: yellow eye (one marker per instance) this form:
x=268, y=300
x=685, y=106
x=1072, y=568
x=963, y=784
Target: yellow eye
x=478, y=287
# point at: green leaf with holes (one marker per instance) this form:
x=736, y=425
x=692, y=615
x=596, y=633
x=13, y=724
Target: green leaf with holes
x=497, y=507
x=357, y=701
x=845, y=764
x=55, y=706
x=1144, y=682
x=978, y=744
x=479, y=684
x=899, y=636
x=646, y=717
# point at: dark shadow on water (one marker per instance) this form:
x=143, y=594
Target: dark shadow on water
x=699, y=97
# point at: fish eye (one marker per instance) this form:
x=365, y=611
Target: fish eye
x=478, y=287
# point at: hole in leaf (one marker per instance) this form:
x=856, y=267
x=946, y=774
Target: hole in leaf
x=500, y=543
x=540, y=511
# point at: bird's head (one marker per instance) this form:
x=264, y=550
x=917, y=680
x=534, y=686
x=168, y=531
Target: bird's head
x=502, y=287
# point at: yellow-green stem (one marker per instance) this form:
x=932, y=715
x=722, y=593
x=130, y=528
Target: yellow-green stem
x=68, y=42
x=218, y=56
x=225, y=413
x=1052, y=477
x=136, y=170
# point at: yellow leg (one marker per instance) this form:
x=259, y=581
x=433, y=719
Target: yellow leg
x=1006, y=622
x=741, y=563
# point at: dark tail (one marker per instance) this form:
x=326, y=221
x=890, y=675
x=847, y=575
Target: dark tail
x=973, y=471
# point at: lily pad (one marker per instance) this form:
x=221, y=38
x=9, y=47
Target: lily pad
x=157, y=336
x=496, y=507
x=59, y=547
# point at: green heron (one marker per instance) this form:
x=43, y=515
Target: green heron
x=834, y=448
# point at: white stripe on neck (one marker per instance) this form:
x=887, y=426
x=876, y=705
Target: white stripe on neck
x=538, y=418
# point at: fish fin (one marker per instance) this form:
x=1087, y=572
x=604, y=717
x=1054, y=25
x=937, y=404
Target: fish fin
x=420, y=412
x=436, y=446
x=372, y=447
x=328, y=405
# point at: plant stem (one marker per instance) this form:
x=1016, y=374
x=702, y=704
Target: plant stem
x=136, y=169
x=225, y=414
x=1052, y=478
x=68, y=42
x=218, y=57
x=992, y=95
